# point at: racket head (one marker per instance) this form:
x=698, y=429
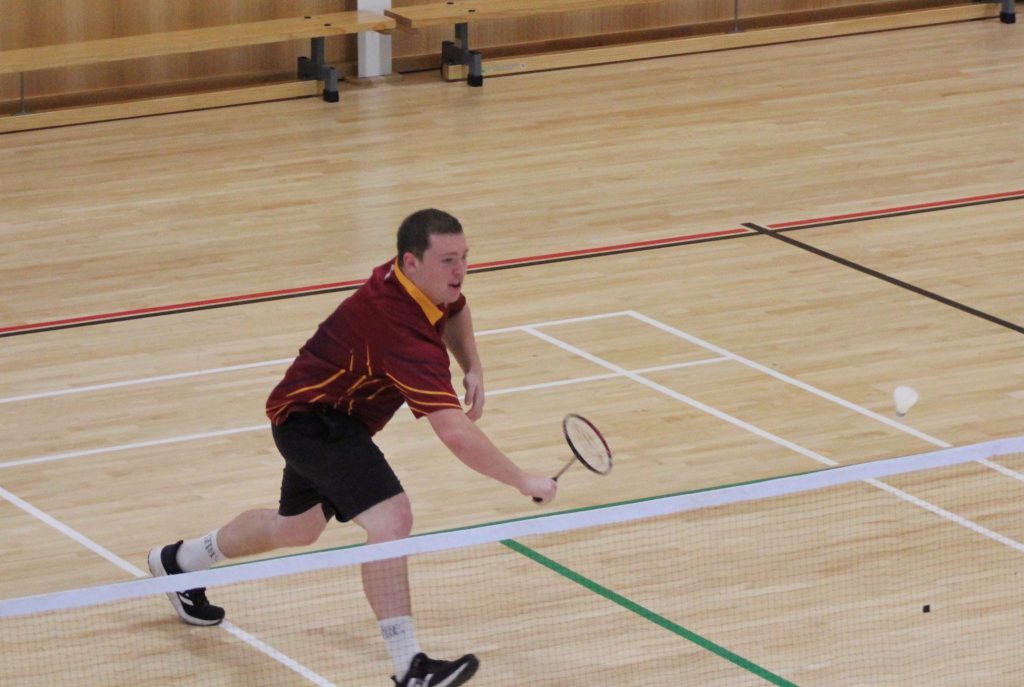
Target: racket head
x=587, y=443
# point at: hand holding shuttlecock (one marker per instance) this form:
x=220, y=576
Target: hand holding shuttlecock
x=904, y=398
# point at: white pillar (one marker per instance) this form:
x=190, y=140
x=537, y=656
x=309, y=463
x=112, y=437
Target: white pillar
x=374, y=48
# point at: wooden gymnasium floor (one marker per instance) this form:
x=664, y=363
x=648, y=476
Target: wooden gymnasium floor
x=128, y=431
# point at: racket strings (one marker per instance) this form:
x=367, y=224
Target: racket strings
x=590, y=447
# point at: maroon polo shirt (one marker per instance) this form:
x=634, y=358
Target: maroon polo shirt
x=381, y=347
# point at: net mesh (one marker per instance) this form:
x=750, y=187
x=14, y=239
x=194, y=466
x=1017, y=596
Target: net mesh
x=894, y=572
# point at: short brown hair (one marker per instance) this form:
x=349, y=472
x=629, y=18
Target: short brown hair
x=416, y=229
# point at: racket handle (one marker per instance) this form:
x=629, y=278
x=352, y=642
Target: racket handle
x=537, y=499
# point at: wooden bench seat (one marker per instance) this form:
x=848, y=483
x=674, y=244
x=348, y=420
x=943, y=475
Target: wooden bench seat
x=315, y=28
x=458, y=11
x=456, y=54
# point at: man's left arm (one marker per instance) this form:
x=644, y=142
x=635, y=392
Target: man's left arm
x=461, y=341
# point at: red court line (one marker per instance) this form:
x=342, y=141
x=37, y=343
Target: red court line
x=228, y=300
x=179, y=306
x=904, y=208
x=299, y=290
x=609, y=249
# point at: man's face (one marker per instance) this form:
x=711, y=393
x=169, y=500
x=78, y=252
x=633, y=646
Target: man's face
x=442, y=270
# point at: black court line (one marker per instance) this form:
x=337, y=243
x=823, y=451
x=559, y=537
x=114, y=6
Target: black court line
x=885, y=277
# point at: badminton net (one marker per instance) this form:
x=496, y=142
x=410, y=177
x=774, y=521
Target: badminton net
x=901, y=571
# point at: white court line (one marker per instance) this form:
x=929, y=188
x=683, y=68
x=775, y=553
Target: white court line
x=569, y=320
x=671, y=393
x=128, y=447
x=264, y=427
x=598, y=378
x=787, y=379
x=907, y=429
x=70, y=533
x=142, y=380
x=124, y=565
x=283, y=659
x=264, y=363
x=948, y=515
x=992, y=465
x=952, y=517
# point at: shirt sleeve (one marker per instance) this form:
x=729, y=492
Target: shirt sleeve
x=420, y=370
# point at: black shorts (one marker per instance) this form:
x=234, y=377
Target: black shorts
x=331, y=460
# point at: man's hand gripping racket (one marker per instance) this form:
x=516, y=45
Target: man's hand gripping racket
x=587, y=445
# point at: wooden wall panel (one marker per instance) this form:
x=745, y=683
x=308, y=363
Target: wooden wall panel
x=29, y=23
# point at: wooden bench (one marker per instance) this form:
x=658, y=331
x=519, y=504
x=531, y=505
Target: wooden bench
x=456, y=54
x=312, y=69
x=459, y=61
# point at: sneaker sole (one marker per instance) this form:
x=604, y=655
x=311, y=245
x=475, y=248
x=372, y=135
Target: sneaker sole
x=156, y=569
x=461, y=677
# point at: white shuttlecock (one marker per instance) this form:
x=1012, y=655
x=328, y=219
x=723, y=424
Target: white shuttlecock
x=904, y=397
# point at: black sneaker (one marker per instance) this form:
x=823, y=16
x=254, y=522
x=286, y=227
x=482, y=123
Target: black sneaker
x=426, y=672
x=190, y=604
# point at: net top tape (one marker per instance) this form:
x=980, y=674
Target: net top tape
x=512, y=529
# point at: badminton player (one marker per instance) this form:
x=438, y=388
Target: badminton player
x=385, y=345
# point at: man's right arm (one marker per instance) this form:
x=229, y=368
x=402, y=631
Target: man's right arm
x=475, y=450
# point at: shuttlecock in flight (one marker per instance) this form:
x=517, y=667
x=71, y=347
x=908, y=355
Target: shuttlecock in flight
x=904, y=398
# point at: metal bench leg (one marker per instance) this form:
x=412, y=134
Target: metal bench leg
x=22, y=108
x=476, y=69
x=315, y=67
x=458, y=53
x=1008, y=15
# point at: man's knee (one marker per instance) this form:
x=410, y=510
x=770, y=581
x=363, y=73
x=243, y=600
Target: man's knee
x=398, y=526
x=300, y=530
x=387, y=521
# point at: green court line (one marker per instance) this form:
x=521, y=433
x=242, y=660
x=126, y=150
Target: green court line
x=600, y=506
x=647, y=614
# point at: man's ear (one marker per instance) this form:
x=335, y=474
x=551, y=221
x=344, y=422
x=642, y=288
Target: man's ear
x=408, y=261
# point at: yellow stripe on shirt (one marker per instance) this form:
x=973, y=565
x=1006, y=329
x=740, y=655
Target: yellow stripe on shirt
x=414, y=390
x=416, y=405
x=319, y=385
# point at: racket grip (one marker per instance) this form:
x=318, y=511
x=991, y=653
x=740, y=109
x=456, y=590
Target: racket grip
x=537, y=499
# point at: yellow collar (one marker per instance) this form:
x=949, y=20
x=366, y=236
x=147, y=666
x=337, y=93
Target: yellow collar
x=432, y=312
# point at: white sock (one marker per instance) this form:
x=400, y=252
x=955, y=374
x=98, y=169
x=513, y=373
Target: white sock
x=401, y=640
x=200, y=553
